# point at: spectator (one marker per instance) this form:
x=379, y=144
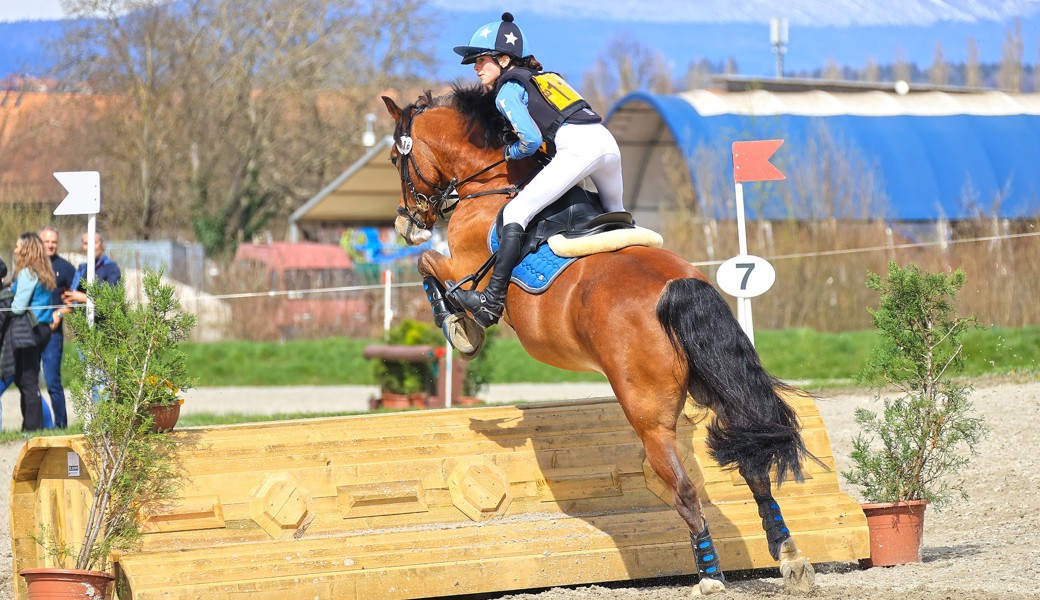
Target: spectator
x=5, y=381
x=64, y=273
x=33, y=284
x=105, y=269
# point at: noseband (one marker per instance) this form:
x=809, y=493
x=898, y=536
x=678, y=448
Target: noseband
x=444, y=199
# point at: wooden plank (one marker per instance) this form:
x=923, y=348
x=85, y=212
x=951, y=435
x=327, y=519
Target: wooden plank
x=185, y=514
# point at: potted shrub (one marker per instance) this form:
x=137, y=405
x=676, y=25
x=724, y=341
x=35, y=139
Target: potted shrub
x=910, y=455
x=400, y=379
x=130, y=361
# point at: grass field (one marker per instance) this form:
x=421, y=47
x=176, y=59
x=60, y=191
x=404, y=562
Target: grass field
x=796, y=354
x=816, y=360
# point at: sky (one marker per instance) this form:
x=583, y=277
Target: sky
x=19, y=10
x=799, y=12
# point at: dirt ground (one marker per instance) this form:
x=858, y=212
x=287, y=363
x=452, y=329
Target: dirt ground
x=987, y=547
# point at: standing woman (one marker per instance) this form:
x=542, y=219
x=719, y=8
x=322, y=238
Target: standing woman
x=33, y=283
x=544, y=113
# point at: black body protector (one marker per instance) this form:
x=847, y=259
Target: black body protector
x=551, y=103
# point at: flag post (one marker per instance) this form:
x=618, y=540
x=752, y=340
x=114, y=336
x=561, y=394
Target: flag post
x=746, y=276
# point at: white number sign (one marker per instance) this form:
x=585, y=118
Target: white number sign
x=746, y=276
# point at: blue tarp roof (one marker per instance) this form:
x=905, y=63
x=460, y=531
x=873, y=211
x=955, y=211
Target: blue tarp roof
x=933, y=155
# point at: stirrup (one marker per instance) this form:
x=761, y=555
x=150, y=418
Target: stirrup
x=478, y=304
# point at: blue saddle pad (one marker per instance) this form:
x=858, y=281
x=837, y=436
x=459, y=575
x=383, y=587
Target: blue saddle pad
x=538, y=269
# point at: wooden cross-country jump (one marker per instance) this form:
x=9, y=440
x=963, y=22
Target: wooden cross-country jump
x=430, y=503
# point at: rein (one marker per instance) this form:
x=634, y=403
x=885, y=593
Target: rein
x=444, y=200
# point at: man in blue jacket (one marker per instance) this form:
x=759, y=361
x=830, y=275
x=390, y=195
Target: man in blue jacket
x=105, y=269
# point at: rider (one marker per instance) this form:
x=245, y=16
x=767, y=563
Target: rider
x=546, y=114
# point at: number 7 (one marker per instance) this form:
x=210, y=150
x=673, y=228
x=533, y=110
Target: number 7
x=750, y=267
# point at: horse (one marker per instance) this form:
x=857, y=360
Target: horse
x=643, y=317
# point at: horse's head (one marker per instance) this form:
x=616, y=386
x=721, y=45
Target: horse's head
x=432, y=138
x=424, y=191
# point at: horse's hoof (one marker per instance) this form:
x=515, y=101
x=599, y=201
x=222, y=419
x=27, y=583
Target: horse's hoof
x=798, y=573
x=708, y=586
x=464, y=334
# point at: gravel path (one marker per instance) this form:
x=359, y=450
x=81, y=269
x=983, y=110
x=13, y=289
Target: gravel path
x=985, y=548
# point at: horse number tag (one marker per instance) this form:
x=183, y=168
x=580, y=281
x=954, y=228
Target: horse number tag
x=746, y=276
x=404, y=145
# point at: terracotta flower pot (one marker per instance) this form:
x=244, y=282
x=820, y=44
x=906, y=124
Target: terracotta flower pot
x=896, y=532
x=392, y=400
x=417, y=400
x=165, y=415
x=468, y=401
x=70, y=584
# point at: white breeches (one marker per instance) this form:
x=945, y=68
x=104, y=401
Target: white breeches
x=582, y=151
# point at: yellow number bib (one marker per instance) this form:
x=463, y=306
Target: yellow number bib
x=556, y=91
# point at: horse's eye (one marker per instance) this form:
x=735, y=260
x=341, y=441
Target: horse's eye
x=393, y=159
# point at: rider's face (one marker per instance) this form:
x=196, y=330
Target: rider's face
x=487, y=70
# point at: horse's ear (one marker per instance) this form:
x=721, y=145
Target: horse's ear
x=392, y=108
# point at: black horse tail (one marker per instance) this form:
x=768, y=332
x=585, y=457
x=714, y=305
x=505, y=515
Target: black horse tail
x=754, y=428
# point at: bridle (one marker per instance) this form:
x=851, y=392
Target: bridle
x=444, y=199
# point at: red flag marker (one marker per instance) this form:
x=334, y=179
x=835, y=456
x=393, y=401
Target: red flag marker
x=751, y=161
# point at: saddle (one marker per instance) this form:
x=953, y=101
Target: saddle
x=579, y=214
x=572, y=227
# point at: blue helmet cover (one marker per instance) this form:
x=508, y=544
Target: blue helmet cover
x=497, y=37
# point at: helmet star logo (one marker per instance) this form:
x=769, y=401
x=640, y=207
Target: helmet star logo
x=484, y=32
x=511, y=38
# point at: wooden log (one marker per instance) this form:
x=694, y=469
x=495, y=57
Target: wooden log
x=435, y=503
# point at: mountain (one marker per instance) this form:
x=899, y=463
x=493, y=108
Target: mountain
x=816, y=13
x=572, y=44
x=569, y=37
x=25, y=46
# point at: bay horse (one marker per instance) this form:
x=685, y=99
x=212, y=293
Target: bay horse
x=643, y=317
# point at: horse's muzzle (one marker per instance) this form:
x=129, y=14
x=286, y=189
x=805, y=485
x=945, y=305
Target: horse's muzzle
x=412, y=235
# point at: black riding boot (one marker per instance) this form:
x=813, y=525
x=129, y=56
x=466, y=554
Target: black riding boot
x=487, y=306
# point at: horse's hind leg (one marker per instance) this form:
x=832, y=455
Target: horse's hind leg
x=654, y=422
x=798, y=573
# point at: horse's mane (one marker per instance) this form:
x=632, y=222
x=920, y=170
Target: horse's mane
x=473, y=102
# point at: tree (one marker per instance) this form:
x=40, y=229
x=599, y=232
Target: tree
x=972, y=69
x=1009, y=77
x=122, y=50
x=232, y=112
x=698, y=75
x=939, y=73
x=901, y=70
x=626, y=66
x=871, y=72
x=831, y=70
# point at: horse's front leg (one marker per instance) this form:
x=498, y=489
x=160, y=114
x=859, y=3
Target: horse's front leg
x=798, y=573
x=464, y=334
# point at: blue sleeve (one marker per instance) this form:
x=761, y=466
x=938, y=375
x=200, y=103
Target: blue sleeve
x=112, y=273
x=512, y=103
x=78, y=278
x=26, y=285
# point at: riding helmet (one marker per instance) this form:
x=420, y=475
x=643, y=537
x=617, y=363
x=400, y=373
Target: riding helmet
x=497, y=37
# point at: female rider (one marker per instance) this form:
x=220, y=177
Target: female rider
x=545, y=113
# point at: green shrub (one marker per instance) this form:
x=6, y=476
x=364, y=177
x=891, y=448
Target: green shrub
x=925, y=436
